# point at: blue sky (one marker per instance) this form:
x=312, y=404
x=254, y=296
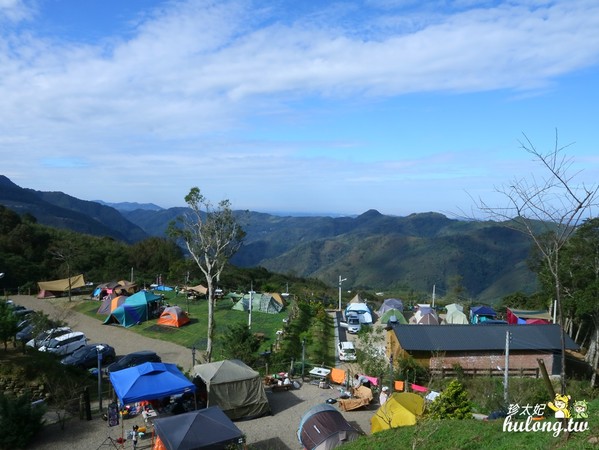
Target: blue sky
x=298, y=107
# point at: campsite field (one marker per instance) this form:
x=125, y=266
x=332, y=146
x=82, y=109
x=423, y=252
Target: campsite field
x=194, y=333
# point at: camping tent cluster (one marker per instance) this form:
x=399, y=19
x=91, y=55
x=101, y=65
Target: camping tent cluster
x=267, y=303
x=134, y=309
x=391, y=308
x=113, y=289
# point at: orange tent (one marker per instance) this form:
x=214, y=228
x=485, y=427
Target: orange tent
x=173, y=316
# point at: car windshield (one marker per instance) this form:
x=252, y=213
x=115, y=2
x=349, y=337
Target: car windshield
x=53, y=343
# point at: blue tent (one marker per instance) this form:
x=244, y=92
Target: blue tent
x=149, y=381
x=481, y=313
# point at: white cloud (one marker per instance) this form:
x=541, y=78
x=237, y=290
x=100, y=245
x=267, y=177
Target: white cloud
x=174, y=95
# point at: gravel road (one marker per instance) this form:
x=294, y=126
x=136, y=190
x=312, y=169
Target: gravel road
x=274, y=432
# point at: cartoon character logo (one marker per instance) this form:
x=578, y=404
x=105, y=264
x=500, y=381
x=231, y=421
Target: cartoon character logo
x=560, y=406
x=581, y=409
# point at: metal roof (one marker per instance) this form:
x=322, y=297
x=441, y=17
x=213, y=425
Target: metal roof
x=480, y=337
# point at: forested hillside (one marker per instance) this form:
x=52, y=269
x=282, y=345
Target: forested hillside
x=481, y=261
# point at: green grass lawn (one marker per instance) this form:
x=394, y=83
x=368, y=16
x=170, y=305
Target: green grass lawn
x=194, y=334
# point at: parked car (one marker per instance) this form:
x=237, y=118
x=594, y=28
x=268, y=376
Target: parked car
x=44, y=337
x=22, y=324
x=134, y=359
x=353, y=324
x=26, y=333
x=22, y=313
x=87, y=356
x=65, y=344
x=347, y=351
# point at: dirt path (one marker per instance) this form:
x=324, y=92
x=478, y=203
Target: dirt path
x=274, y=432
x=123, y=340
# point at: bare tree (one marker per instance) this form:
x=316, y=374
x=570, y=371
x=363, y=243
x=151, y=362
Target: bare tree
x=548, y=210
x=65, y=253
x=212, y=236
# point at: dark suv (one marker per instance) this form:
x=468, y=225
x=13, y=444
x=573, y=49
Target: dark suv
x=134, y=359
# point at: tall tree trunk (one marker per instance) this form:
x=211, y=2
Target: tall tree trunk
x=210, y=319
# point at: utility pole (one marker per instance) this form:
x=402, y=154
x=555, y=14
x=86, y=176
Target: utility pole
x=341, y=280
x=506, y=368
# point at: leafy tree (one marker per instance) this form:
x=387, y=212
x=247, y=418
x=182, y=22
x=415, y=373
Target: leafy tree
x=8, y=323
x=238, y=342
x=19, y=421
x=547, y=209
x=453, y=403
x=212, y=236
x=580, y=274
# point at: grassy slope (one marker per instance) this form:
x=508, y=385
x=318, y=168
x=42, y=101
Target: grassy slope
x=476, y=434
x=194, y=334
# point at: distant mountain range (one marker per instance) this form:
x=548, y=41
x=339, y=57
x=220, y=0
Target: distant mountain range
x=372, y=251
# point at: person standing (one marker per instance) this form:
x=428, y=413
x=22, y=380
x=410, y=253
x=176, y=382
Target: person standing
x=384, y=395
x=135, y=436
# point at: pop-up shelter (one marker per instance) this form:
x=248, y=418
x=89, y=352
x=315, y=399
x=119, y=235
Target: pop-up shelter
x=401, y=409
x=149, y=381
x=323, y=427
x=234, y=386
x=208, y=428
x=173, y=316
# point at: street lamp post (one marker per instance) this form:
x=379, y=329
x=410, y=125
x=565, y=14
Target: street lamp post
x=99, y=349
x=303, y=356
x=341, y=280
x=250, y=308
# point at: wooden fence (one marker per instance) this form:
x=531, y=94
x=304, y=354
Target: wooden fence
x=533, y=372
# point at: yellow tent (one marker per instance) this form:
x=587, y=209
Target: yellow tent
x=400, y=410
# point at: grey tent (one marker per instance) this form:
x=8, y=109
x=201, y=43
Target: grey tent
x=323, y=427
x=208, y=428
x=390, y=303
x=234, y=386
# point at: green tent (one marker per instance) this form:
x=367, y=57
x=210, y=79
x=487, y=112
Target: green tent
x=266, y=303
x=394, y=312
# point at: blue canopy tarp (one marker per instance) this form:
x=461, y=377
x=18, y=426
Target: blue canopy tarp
x=149, y=381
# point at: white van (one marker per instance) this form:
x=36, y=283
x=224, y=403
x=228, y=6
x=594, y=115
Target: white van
x=347, y=351
x=65, y=344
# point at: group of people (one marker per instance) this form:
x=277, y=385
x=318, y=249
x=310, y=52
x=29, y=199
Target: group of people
x=361, y=380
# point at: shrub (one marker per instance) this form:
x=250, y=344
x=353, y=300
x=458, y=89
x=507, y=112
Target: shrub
x=19, y=421
x=453, y=403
